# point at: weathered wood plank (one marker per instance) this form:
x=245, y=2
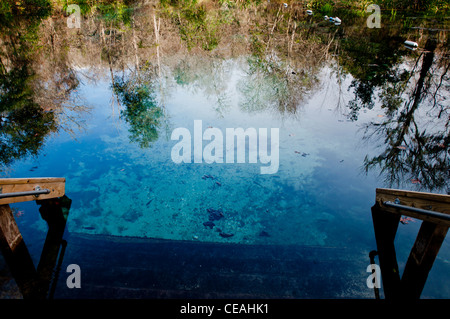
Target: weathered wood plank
x=6, y=181
x=12, y=185
x=10, y=235
x=421, y=258
x=434, y=202
x=15, y=252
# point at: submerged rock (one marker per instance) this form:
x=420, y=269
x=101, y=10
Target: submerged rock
x=226, y=235
x=209, y=224
x=263, y=233
x=215, y=214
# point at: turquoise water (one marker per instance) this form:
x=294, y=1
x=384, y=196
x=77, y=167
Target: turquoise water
x=320, y=195
x=119, y=188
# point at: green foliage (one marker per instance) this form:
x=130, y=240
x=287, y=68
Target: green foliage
x=14, y=89
x=23, y=123
x=257, y=46
x=85, y=7
x=198, y=26
x=421, y=7
x=323, y=6
x=141, y=112
x=248, y=3
x=327, y=9
x=116, y=11
x=371, y=59
x=195, y=29
x=22, y=131
x=33, y=11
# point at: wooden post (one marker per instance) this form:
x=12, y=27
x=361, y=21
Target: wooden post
x=16, y=253
x=55, y=213
x=10, y=235
x=385, y=227
x=421, y=258
x=30, y=281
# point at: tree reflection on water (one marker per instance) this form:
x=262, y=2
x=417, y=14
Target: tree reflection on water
x=415, y=131
x=23, y=122
x=146, y=48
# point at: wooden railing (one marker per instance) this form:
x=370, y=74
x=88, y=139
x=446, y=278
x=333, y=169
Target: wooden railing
x=56, y=187
x=390, y=206
x=33, y=282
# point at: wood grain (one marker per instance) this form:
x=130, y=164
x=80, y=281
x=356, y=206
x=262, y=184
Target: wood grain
x=56, y=185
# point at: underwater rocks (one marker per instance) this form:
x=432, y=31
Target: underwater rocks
x=302, y=154
x=263, y=233
x=216, y=183
x=213, y=215
x=225, y=235
x=209, y=224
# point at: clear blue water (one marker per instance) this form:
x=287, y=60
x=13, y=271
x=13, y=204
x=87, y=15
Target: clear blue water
x=121, y=189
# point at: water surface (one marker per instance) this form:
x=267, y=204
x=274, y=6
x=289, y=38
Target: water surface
x=355, y=109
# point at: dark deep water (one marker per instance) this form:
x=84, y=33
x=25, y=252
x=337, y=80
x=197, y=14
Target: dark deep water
x=355, y=110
